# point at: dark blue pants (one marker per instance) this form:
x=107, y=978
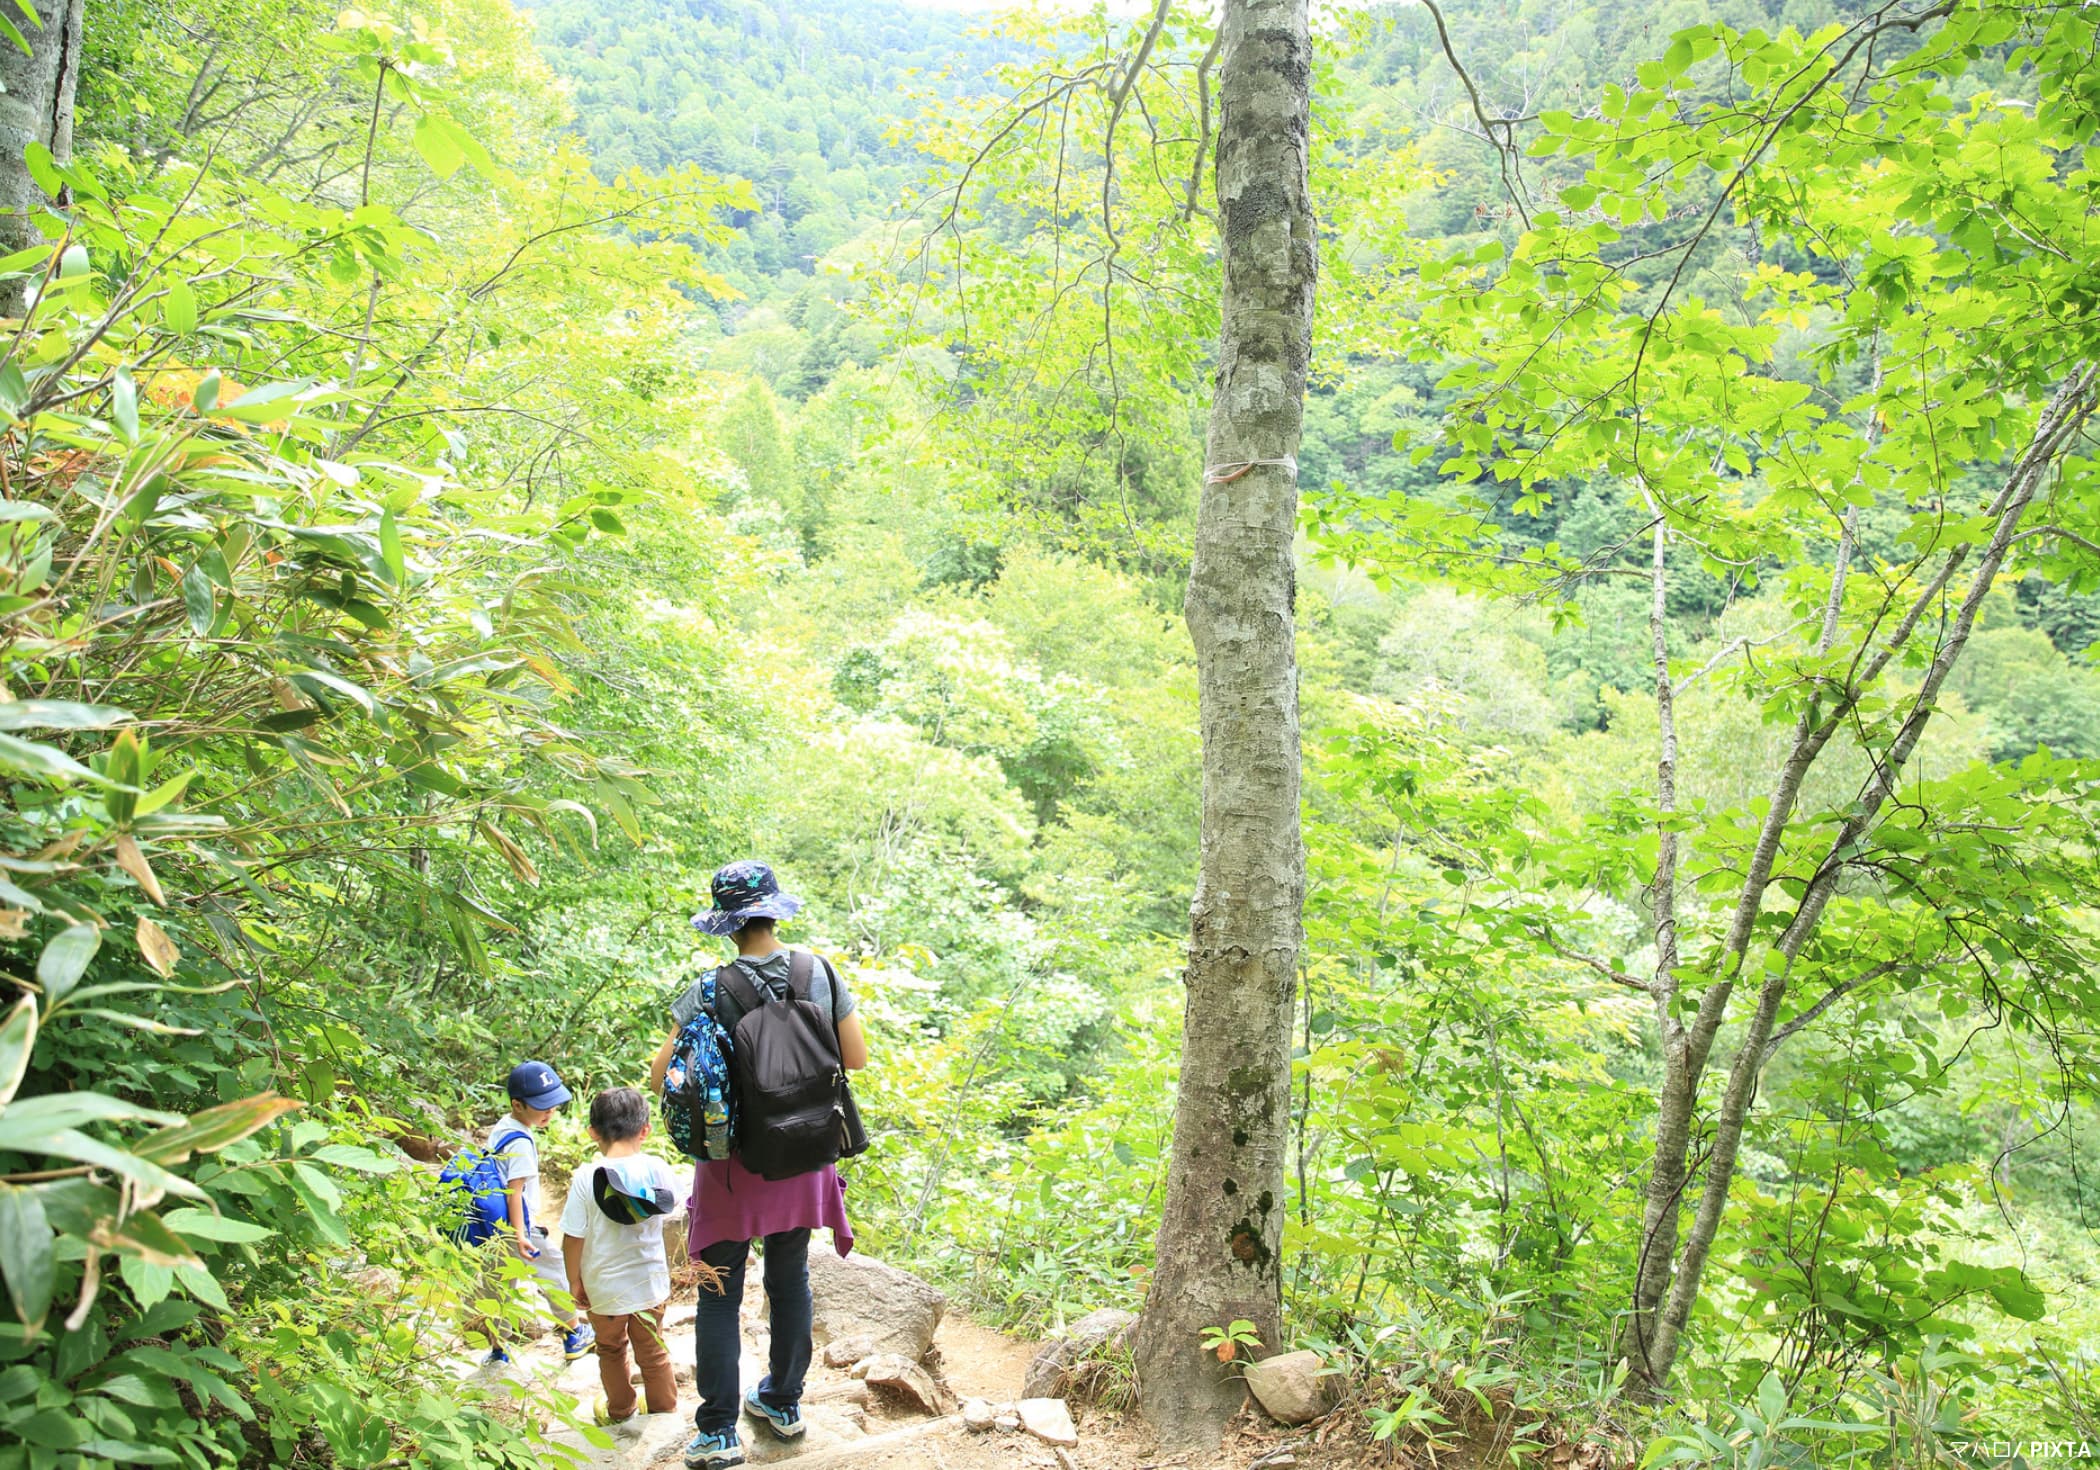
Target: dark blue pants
x=720, y=1344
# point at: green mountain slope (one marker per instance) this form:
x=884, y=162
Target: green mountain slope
x=799, y=98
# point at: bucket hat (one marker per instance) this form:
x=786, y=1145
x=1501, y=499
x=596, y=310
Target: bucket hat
x=626, y=1204
x=742, y=892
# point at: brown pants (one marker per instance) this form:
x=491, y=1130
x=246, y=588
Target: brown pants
x=651, y=1354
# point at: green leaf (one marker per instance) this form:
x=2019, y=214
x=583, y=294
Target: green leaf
x=356, y=693
x=43, y=760
x=349, y=1156
x=124, y=407
x=126, y=1452
x=17, y=1040
x=267, y=404
x=26, y=1257
x=26, y=1116
x=440, y=149
x=607, y=522
x=1771, y=1398
x=204, y=1225
x=199, y=600
x=148, y=1237
x=149, y=1284
x=72, y=262
x=58, y=714
x=202, y=1285
x=179, y=309
x=2016, y=1298
x=161, y=795
x=215, y=1128
x=390, y=548
x=65, y=959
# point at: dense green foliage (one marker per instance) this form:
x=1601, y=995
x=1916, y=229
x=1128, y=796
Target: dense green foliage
x=449, y=513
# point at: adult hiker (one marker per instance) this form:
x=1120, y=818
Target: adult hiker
x=789, y=1031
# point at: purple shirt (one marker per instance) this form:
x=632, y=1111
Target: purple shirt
x=732, y=1203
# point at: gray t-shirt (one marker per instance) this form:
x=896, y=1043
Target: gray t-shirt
x=826, y=988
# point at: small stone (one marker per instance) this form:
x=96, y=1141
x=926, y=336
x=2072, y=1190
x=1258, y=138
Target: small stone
x=1008, y=1423
x=1289, y=1387
x=1048, y=1420
x=844, y=1352
x=977, y=1415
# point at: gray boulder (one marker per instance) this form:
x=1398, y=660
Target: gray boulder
x=1289, y=1387
x=856, y=1297
x=1049, y=1373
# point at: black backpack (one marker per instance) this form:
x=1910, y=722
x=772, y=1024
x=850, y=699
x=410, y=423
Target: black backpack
x=794, y=1111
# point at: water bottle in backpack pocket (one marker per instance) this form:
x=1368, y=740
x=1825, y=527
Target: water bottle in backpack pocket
x=472, y=1185
x=698, y=1103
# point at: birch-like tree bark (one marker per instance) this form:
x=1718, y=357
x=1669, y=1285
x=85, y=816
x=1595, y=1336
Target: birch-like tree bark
x=36, y=106
x=1218, y=1257
x=1667, y=1277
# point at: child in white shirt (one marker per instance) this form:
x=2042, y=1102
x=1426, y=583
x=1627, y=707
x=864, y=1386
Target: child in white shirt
x=613, y=1247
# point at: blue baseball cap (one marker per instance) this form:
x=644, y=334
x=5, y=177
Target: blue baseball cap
x=536, y=1085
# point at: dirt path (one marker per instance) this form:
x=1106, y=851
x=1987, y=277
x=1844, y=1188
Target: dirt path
x=849, y=1425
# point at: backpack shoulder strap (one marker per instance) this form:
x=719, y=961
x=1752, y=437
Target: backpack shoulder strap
x=731, y=978
x=505, y=1141
x=831, y=974
x=801, y=966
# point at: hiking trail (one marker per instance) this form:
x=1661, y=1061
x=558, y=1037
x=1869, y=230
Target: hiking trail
x=850, y=1423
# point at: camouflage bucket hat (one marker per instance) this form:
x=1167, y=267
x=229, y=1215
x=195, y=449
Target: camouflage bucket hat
x=743, y=892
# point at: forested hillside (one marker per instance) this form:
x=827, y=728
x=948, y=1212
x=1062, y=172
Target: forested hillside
x=809, y=102
x=470, y=470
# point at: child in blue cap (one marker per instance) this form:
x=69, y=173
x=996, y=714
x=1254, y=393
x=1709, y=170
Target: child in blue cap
x=535, y=1092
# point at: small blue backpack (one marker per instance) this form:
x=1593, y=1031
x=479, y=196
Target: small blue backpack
x=479, y=1174
x=698, y=1101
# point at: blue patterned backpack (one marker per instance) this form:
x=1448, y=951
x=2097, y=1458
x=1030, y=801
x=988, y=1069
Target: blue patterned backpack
x=698, y=1101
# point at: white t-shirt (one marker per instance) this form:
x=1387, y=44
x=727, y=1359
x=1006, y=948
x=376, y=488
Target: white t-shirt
x=623, y=1265
x=521, y=1160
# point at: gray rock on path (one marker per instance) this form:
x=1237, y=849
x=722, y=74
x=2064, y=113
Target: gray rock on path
x=1048, y=1420
x=857, y=1297
x=1289, y=1387
x=978, y=1415
x=1049, y=1373
x=907, y=1380
x=844, y=1352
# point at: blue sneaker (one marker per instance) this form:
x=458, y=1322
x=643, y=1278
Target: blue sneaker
x=787, y=1423
x=713, y=1447
x=577, y=1342
x=496, y=1358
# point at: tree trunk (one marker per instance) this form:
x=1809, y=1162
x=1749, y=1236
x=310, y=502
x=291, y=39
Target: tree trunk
x=1655, y=1332
x=36, y=107
x=1218, y=1256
